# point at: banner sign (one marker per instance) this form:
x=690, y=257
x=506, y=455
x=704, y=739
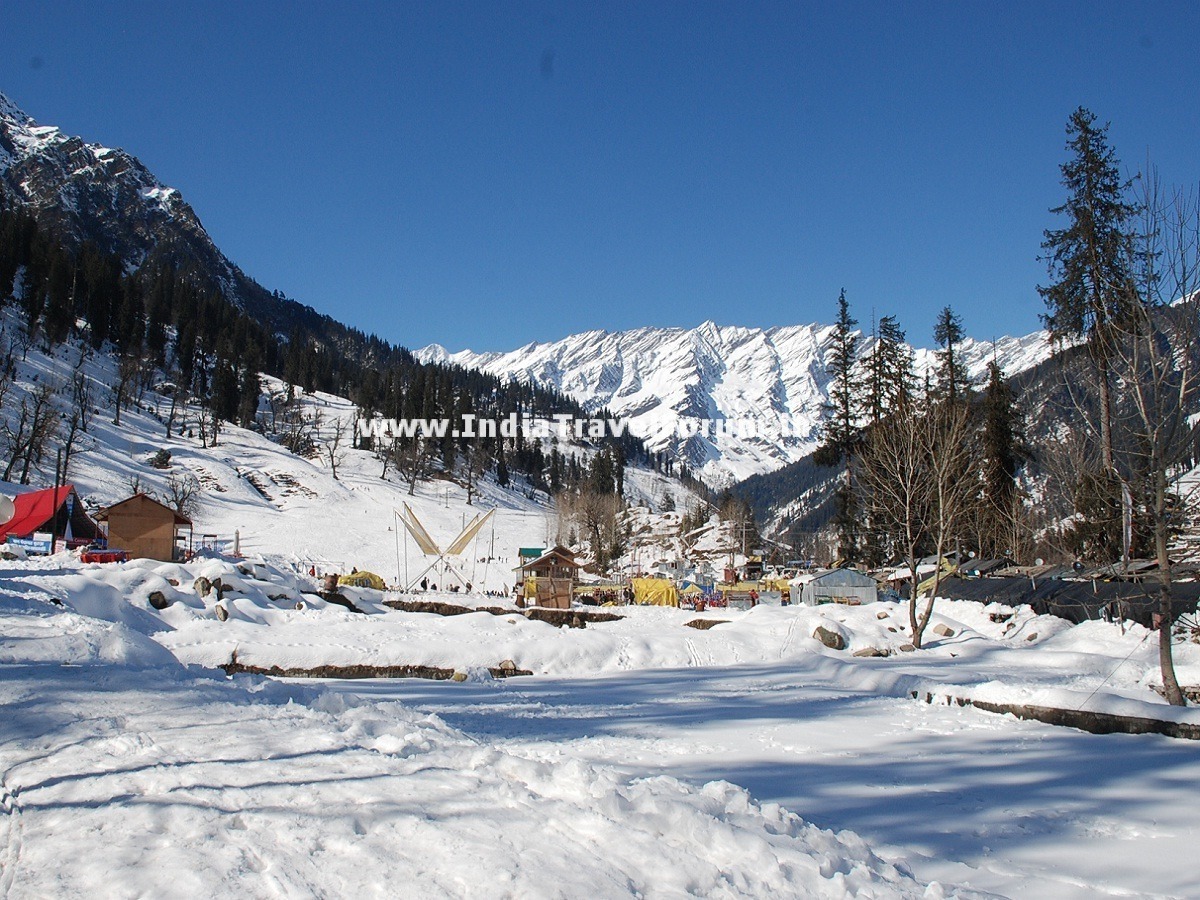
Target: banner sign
x=30, y=545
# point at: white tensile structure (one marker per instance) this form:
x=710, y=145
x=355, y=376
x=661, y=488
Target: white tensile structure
x=429, y=546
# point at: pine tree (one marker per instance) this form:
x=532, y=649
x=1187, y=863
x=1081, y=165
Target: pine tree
x=249, y=389
x=889, y=370
x=1088, y=260
x=60, y=299
x=841, y=428
x=953, y=382
x=501, y=465
x=225, y=396
x=1002, y=448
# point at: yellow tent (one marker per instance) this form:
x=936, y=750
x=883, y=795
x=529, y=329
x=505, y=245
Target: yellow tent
x=654, y=592
x=364, y=580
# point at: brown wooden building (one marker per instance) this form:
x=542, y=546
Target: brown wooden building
x=145, y=528
x=550, y=579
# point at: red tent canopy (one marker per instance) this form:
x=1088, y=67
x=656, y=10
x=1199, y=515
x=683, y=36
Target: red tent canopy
x=36, y=510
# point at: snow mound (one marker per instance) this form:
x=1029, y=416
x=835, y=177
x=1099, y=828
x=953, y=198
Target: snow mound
x=35, y=631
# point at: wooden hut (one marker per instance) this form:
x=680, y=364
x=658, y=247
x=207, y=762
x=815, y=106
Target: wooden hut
x=145, y=528
x=550, y=579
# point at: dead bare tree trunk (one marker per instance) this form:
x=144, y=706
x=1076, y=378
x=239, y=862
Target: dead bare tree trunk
x=1159, y=374
x=333, y=450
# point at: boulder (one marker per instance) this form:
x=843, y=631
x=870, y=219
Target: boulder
x=1032, y=637
x=158, y=600
x=869, y=652
x=943, y=630
x=830, y=639
x=907, y=648
x=222, y=613
x=704, y=624
x=338, y=599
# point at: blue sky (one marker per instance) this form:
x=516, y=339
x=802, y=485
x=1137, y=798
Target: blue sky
x=486, y=174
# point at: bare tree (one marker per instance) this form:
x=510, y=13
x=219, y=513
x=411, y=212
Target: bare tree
x=334, y=449
x=477, y=459
x=7, y=378
x=182, y=493
x=208, y=425
x=296, y=429
x=26, y=338
x=1060, y=462
x=599, y=516
x=37, y=425
x=78, y=417
x=178, y=395
x=15, y=435
x=915, y=467
x=413, y=459
x=128, y=368
x=1155, y=357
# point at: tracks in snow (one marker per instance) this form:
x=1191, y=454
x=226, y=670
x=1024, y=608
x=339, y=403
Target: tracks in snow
x=13, y=838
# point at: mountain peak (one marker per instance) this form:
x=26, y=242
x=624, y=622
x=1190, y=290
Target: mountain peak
x=10, y=110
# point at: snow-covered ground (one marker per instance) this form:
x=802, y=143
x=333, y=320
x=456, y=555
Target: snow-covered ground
x=643, y=757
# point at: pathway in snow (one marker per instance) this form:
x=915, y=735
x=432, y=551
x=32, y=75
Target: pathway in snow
x=958, y=795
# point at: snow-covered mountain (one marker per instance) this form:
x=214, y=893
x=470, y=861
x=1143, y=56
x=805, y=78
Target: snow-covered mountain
x=88, y=192
x=757, y=378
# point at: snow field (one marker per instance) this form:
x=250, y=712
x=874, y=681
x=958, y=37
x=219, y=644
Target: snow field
x=152, y=782
x=611, y=773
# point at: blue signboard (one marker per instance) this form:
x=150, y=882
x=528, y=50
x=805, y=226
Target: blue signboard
x=30, y=545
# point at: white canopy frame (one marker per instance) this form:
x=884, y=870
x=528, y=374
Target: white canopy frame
x=429, y=546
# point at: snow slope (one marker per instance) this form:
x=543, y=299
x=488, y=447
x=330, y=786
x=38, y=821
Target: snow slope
x=289, y=509
x=658, y=377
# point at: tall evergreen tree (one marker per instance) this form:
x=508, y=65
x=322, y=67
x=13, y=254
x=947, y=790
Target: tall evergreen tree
x=890, y=382
x=889, y=370
x=1003, y=450
x=1088, y=259
x=953, y=382
x=842, y=425
x=60, y=299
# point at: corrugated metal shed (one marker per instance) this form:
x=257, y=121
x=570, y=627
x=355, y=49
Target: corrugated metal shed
x=840, y=586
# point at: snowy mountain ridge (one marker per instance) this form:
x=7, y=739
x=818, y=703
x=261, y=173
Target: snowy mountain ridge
x=653, y=376
x=97, y=193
